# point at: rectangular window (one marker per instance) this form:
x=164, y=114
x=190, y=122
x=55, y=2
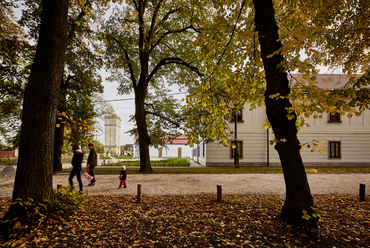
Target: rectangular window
x=204, y=150
x=239, y=116
x=334, y=117
x=334, y=149
x=239, y=148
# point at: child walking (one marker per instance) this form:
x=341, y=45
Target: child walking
x=122, y=177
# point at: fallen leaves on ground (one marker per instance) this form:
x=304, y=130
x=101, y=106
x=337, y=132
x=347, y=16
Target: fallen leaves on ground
x=198, y=221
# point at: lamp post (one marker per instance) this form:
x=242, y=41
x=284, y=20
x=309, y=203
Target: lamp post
x=236, y=153
x=96, y=139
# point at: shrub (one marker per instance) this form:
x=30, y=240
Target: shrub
x=25, y=215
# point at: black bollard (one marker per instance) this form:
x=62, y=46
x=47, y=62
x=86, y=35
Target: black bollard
x=219, y=193
x=139, y=194
x=362, y=192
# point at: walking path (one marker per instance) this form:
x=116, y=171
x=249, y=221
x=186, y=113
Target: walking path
x=187, y=184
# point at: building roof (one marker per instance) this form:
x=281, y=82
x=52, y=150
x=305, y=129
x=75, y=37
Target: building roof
x=328, y=81
x=181, y=140
x=127, y=147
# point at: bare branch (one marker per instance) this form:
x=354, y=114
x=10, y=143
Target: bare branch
x=162, y=117
x=168, y=61
x=191, y=27
x=132, y=75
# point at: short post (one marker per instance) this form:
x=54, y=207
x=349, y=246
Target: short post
x=219, y=193
x=362, y=192
x=59, y=186
x=139, y=195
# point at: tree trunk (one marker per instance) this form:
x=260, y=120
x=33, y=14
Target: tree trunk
x=298, y=194
x=59, y=129
x=58, y=145
x=144, y=140
x=34, y=171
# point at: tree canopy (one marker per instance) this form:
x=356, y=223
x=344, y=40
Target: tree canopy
x=15, y=57
x=150, y=44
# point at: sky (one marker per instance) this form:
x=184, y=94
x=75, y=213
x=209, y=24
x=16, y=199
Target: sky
x=124, y=107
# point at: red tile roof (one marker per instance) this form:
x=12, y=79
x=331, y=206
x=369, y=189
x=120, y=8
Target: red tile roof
x=181, y=140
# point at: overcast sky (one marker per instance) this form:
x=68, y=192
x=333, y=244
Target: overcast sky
x=124, y=107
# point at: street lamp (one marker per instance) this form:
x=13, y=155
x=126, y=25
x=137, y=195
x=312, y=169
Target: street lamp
x=236, y=153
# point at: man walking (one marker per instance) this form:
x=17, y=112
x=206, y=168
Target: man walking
x=92, y=161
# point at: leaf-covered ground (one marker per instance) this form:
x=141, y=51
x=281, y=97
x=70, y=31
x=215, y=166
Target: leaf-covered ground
x=198, y=221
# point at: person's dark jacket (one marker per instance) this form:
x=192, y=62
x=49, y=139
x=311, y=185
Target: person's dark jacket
x=123, y=175
x=77, y=158
x=92, y=160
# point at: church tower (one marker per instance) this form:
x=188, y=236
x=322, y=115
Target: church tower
x=112, y=135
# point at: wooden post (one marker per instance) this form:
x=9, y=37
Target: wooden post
x=139, y=195
x=362, y=192
x=59, y=186
x=219, y=193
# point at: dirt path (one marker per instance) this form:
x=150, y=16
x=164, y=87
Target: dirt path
x=185, y=184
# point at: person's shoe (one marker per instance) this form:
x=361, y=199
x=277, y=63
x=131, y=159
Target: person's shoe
x=125, y=187
x=119, y=187
x=91, y=184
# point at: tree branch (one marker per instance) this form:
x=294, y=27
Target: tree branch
x=152, y=24
x=132, y=75
x=173, y=32
x=168, y=61
x=163, y=117
x=231, y=37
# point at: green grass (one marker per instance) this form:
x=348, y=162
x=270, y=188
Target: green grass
x=228, y=170
x=8, y=160
x=122, y=157
x=167, y=162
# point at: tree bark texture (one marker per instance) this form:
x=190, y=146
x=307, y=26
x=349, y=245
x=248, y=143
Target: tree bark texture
x=298, y=194
x=35, y=163
x=58, y=145
x=144, y=140
x=59, y=129
x=140, y=94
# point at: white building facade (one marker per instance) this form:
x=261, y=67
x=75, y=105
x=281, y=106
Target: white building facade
x=112, y=134
x=177, y=148
x=346, y=140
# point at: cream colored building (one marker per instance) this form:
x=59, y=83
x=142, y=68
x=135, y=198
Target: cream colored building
x=346, y=140
x=112, y=135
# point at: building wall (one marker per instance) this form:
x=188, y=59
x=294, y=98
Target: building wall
x=198, y=153
x=353, y=133
x=171, y=151
x=112, y=132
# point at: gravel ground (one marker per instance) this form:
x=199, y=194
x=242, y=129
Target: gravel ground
x=187, y=184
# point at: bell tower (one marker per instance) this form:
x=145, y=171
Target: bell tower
x=112, y=135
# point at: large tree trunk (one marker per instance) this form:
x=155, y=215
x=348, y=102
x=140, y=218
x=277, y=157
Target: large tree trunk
x=144, y=140
x=298, y=194
x=35, y=163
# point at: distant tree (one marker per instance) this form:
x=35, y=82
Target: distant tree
x=149, y=43
x=15, y=57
